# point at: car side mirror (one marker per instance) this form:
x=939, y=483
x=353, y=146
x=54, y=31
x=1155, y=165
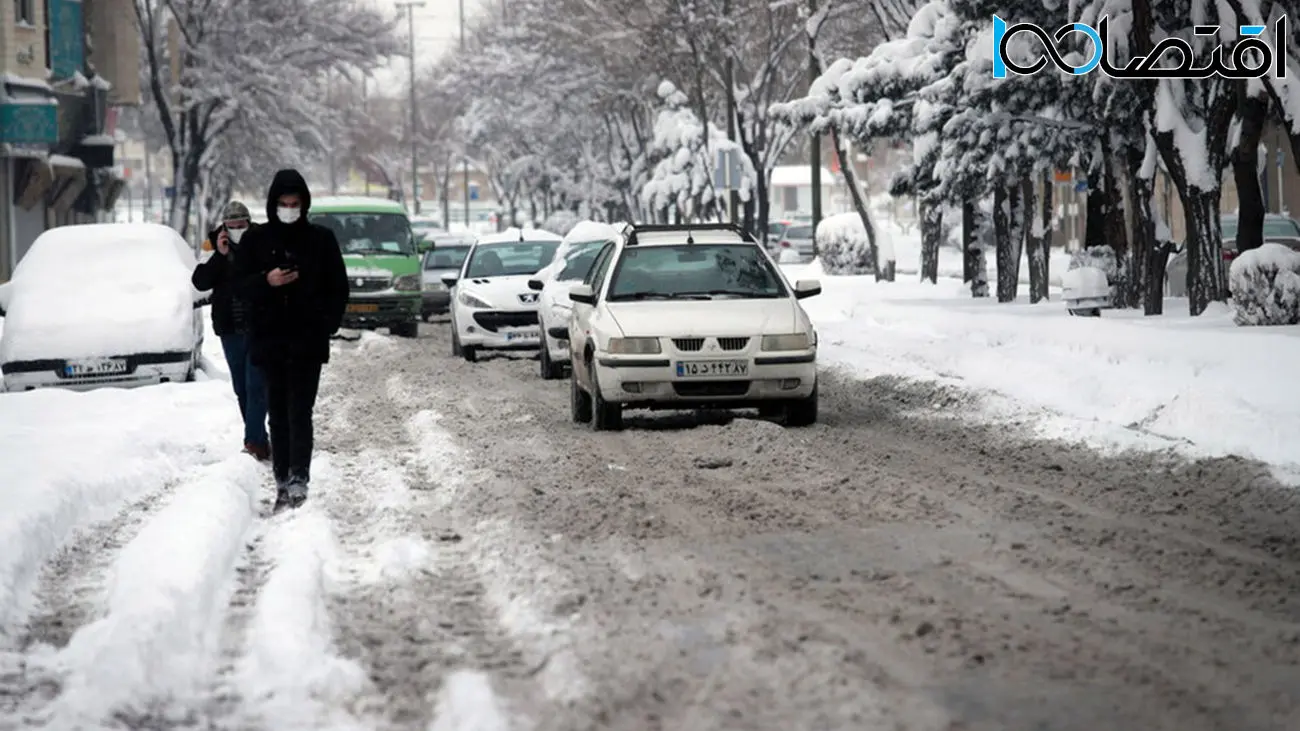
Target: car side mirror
x=805, y=288
x=450, y=279
x=536, y=285
x=583, y=293
x=558, y=332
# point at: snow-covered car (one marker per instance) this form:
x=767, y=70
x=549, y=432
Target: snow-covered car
x=492, y=307
x=573, y=259
x=690, y=317
x=436, y=296
x=105, y=304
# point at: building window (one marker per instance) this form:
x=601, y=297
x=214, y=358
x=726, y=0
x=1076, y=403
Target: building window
x=23, y=12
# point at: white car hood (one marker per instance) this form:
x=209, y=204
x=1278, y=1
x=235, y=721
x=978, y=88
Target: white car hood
x=719, y=318
x=502, y=293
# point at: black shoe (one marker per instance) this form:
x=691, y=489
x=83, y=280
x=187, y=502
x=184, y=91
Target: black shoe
x=297, y=491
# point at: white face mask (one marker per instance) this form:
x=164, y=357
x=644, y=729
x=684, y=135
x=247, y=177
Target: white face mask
x=236, y=234
x=288, y=215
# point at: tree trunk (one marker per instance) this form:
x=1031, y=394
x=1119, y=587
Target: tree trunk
x=1205, y=271
x=931, y=234
x=974, y=268
x=1147, y=270
x=1245, y=170
x=1038, y=239
x=1008, y=232
x=859, y=205
x=1116, y=232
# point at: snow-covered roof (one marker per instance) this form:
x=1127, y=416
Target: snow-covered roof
x=513, y=234
x=798, y=176
x=591, y=231
x=677, y=238
x=64, y=161
x=106, y=140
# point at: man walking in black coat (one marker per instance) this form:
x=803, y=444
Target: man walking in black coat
x=297, y=285
x=230, y=323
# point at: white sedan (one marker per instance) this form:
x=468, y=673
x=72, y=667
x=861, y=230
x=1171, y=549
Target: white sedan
x=106, y=304
x=572, y=261
x=492, y=306
x=690, y=317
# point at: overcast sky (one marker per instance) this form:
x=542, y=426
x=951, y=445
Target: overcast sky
x=437, y=31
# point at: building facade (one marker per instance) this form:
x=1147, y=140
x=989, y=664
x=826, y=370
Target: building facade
x=66, y=64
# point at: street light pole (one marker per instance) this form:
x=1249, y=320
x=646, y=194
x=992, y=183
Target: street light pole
x=410, y=6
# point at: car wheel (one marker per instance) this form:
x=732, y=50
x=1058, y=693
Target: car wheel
x=605, y=416
x=770, y=411
x=551, y=371
x=469, y=353
x=406, y=330
x=802, y=412
x=579, y=401
x=455, y=344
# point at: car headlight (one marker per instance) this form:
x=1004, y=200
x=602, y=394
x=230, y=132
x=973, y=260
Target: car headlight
x=791, y=341
x=470, y=300
x=634, y=346
x=407, y=283
x=434, y=287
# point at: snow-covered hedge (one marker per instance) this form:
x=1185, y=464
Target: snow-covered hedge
x=560, y=222
x=1265, y=285
x=842, y=245
x=1100, y=257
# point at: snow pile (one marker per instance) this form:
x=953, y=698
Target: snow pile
x=560, y=222
x=165, y=604
x=70, y=459
x=1265, y=284
x=1200, y=386
x=843, y=247
x=100, y=290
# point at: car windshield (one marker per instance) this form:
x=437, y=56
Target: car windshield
x=369, y=233
x=578, y=261
x=694, y=271
x=510, y=258
x=449, y=257
x=1273, y=226
x=799, y=232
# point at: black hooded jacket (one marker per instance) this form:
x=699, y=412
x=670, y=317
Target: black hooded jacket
x=229, y=313
x=295, y=320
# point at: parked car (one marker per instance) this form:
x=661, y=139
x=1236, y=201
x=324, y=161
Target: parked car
x=573, y=260
x=690, y=317
x=492, y=306
x=106, y=304
x=437, y=262
x=383, y=265
x=797, y=238
x=1278, y=229
x=426, y=229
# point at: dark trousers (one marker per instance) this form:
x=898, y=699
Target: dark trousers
x=291, y=387
x=246, y=379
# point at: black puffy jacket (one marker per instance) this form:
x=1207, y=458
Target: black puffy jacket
x=296, y=320
x=229, y=312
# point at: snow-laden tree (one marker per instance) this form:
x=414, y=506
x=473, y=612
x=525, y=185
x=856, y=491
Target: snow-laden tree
x=207, y=63
x=685, y=150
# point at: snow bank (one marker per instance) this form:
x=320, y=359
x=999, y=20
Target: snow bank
x=100, y=290
x=1265, y=285
x=167, y=595
x=291, y=676
x=69, y=459
x=1198, y=385
x=842, y=245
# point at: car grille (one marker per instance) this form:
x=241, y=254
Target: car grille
x=370, y=284
x=689, y=345
x=711, y=388
x=492, y=321
x=693, y=345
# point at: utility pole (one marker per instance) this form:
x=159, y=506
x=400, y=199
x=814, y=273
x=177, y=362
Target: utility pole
x=734, y=196
x=462, y=25
x=816, y=156
x=410, y=6
x=334, y=173
x=465, y=176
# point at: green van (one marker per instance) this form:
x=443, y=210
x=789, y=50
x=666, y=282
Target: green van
x=383, y=265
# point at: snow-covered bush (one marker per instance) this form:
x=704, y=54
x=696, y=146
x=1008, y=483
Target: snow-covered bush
x=842, y=245
x=1265, y=286
x=1100, y=257
x=560, y=222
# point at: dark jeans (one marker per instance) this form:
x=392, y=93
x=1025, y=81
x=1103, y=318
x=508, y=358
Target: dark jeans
x=291, y=387
x=250, y=390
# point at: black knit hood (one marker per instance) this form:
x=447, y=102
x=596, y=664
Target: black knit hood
x=287, y=181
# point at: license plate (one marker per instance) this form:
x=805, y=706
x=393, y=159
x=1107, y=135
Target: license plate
x=363, y=308
x=523, y=334
x=95, y=367
x=712, y=368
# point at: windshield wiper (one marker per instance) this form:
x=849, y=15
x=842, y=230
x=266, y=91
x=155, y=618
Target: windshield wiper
x=748, y=294
x=640, y=296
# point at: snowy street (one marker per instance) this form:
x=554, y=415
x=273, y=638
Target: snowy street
x=471, y=559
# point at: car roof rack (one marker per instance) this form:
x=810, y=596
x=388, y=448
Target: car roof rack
x=635, y=228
